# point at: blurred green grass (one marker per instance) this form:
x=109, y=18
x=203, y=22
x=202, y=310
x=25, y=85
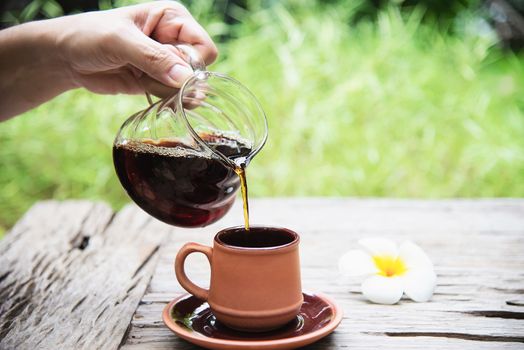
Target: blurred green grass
x=393, y=108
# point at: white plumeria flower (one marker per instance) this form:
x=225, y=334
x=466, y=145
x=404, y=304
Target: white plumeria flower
x=391, y=271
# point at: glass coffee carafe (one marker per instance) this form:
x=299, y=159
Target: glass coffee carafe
x=178, y=159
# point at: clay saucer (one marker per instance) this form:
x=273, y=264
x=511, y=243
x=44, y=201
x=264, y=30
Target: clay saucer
x=191, y=319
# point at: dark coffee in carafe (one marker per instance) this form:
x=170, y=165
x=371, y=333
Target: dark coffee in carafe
x=177, y=185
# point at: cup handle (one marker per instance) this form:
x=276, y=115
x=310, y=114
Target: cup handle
x=180, y=272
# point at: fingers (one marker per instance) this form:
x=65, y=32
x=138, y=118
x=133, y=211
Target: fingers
x=154, y=87
x=158, y=61
x=186, y=30
x=191, y=100
x=176, y=26
x=148, y=45
x=111, y=82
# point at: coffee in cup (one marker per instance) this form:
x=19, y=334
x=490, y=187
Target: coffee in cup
x=255, y=277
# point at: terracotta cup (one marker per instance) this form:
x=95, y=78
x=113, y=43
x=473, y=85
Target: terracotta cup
x=255, y=277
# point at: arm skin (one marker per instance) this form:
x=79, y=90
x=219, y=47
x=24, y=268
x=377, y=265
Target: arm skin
x=31, y=70
x=126, y=50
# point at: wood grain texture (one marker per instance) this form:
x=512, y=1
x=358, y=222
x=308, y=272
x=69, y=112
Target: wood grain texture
x=476, y=245
x=75, y=276
x=72, y=275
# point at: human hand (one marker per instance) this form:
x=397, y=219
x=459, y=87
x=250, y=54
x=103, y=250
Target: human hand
x=131, y=49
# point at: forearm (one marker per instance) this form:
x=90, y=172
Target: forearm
x=125, y=50
x=32, y=70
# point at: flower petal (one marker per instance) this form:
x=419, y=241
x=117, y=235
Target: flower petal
x=357, y=263
x=413, y=256
x=382, y=290
x=419, y=284
x=379, y=246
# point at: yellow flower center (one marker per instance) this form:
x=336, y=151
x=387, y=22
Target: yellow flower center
x=389, y=266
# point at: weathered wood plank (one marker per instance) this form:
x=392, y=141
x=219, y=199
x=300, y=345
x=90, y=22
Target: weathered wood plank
x=476, y=246
x=72, y=274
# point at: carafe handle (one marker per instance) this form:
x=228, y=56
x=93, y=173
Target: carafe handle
x=191, y=56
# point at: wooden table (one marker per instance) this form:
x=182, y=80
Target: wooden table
x=75, y=275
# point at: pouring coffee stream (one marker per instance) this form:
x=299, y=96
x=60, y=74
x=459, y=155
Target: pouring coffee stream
x=241, y=172
x=183, y=158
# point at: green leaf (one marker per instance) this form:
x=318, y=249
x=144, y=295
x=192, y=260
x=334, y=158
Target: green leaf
x=52, y=9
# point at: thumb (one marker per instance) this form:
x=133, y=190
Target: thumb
x=157, y=60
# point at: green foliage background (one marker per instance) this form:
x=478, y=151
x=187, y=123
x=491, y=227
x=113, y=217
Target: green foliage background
x=394, y=106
